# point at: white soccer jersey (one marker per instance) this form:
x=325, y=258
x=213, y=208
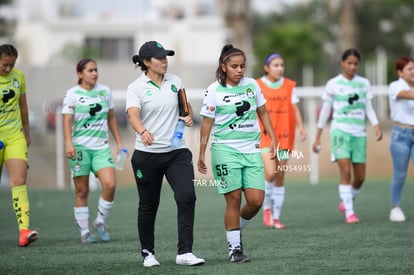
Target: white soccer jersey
x=234, y=112
x=90, y=115
x=348, y=99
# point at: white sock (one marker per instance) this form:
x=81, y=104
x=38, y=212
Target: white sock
x=278, y=197
x=267, y=202
x=233, y=239
x=345, y=193
x=355, y=192
x=82, y=219
x=104, y=207
x=243, y=222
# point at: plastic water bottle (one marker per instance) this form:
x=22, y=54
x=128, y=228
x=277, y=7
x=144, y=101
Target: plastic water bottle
x=1, y=145
x=178, y=134
x=121, y=158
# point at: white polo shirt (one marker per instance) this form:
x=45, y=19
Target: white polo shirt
x=159, y=110
x=402, y=110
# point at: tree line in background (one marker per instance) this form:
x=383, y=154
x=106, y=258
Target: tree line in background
x=315, y=34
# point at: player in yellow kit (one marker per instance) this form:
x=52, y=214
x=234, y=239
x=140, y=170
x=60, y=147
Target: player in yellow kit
x=15, y=137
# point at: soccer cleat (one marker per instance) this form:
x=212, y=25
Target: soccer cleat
x=27, y=236
x=237, y=256
x=189, y=259
x=150, y=261
x=88, y=238
x=267, y=217
x=102, y=232
x=341, y=207
x=277, y=224
x=352, y=219
x=397, y=215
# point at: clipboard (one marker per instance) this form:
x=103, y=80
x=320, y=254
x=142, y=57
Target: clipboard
x=182, y=103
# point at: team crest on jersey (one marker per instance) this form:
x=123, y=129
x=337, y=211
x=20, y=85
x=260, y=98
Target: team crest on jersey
x=77, y=167
x=102, y=96
x=139, y=174
x=249, y=93
x=16, y=83
x=338, y=151
x=223, y=183
x=173, y=88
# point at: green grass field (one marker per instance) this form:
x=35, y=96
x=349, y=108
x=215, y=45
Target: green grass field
x=316, y=240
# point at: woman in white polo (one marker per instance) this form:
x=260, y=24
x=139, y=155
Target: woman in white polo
x=152, y=108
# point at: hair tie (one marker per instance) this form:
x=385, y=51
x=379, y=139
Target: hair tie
x=232, y=54
x=270, y=57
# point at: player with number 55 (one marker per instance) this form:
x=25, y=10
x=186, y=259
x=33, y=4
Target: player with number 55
x=230, y=108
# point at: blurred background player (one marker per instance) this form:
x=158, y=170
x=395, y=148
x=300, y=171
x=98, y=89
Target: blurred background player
x=15, y=138
x=401, y=99
x=88, y=112
x=350, y=97
x=282, y=106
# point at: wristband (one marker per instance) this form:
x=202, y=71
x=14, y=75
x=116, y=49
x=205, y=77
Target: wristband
x=143, y=132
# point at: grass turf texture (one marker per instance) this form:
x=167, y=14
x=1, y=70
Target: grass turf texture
x=316, y=240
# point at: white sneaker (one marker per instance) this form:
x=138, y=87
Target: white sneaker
x=150, y=261
x=397, y=215
x=189, y=259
